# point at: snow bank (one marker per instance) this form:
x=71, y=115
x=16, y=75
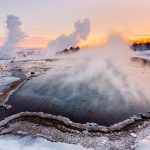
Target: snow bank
x=142, y=55
x=5, y=80
x=143, y=144
x=11, y=142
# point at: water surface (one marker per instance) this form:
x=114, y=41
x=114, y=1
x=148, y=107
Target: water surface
x=77, y=101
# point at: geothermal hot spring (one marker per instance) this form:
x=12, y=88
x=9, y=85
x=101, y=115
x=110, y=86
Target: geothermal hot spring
x=97, y=86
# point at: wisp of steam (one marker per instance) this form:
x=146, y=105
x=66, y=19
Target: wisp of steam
x=95, y=86
x=15, y=35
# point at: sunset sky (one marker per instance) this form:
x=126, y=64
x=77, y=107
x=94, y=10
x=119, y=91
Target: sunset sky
x=45, y=20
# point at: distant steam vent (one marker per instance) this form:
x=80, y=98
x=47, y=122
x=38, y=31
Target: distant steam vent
x=14, y=35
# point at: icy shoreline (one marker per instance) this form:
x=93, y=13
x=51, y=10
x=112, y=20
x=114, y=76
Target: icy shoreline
x=60, y=129
x=69, y=125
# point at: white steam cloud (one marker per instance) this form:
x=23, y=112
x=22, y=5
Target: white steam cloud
x=14, y=36
x=96, y=84
x=82, y=30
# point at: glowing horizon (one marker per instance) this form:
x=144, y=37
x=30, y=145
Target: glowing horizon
x=49, y=19
x=38, y=42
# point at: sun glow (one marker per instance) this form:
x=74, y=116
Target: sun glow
x=140, y=39
x=92, y=43
x=37, y=42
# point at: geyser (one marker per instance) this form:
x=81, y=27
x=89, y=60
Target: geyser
x=97, y=87
x=15, y=35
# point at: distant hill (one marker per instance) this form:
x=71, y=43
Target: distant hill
x=141, y=46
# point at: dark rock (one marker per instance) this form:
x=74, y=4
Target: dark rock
x=140, y=46
x=68, y=51
x=32, y=73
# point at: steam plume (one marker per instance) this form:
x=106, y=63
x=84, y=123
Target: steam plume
x=82, y=30
x=14, y=36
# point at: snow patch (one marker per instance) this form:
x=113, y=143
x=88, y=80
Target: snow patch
x=143, y=144
x=7, y=142
x=5, y=80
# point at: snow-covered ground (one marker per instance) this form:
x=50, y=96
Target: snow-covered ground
x=11, y=142
x=142, y=54
x=6, y=80
x=143, y=144
x=11, y=71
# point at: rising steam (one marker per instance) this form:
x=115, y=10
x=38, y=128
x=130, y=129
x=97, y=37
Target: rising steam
x=96, y=87
x=15, y=34
x=82, y=30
